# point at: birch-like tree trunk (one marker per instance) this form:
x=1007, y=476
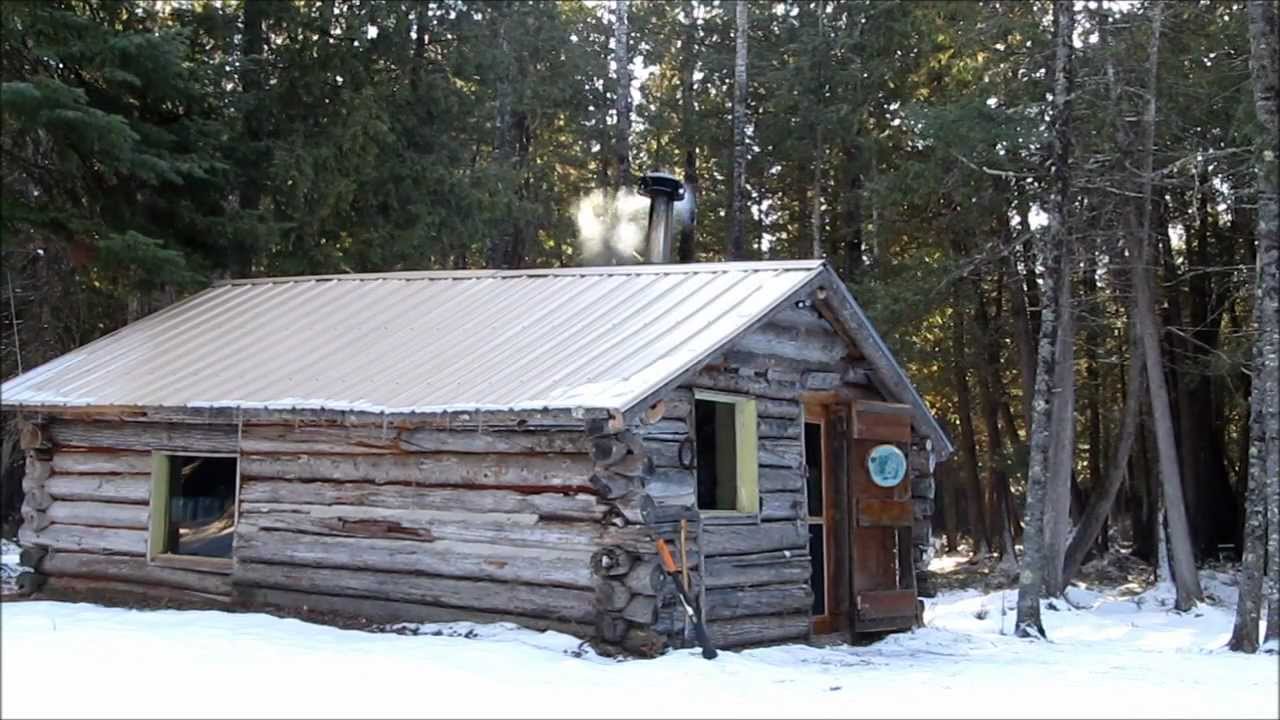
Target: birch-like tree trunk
x=1262, y=533
x=1182, y=560
x=622, y=98
x=1051, y=243
x=737, y=249
x=1062, y=428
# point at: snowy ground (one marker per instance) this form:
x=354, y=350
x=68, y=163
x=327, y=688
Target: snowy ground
x=1111, y=656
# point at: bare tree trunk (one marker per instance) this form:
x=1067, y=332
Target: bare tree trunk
x=1185, y=576
x=494, y=250
x=1103, y=495
x=737, y=249
x=622, y=100
x=968, y=448
x=819, y=150
x=988, y=389
x=1062, y=428
x=253, y=61
x=688, y=63
x=1264, y=396
x=1031, y=579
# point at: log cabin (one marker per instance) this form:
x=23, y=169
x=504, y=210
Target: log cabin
x=495, y=445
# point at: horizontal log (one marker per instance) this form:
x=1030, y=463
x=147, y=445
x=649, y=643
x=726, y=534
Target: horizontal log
x=78, y=538
x=37, y=471
x=175, y=437
x=99, y=514
x=749, y=539
x=778, y=428
x=801, y=318
x=781, y=453
x=641, y=609
x=746, y=385
x=821, y=380
x=522, y=531
x=503, y=597
x=802, y=344
x=878, y=512
x=783, y=506
x=514, y=471
x=611, y=595
x=390, y=612
x=99, y=591
x=922, y=486
x=670, y=484
x=671, y=429
x=782, y=409
x=548, y=505
x=37, y=498
x=611, y=486
x=725, y=603
x=611, y=627
x=781, y=480
x=611, y=560
x=134, y=570
x=121, y=462
x=634, y=508
x=679, y=404
x=100, y=488
x=468, y=560
x=647, y=578
x=736, y=358
x=267, y=439
x=729, y=571
x=758, y=630
x=573, y=442
x=516, y=420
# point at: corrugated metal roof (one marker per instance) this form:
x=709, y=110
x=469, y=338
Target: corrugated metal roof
x=599, y=337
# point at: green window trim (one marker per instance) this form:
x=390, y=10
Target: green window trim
x=746, y=452
x=159, y=511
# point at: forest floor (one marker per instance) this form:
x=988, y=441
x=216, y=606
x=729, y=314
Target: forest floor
x=1115, y=651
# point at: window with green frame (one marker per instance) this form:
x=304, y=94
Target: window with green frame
x=193, y=505
x=725, y=439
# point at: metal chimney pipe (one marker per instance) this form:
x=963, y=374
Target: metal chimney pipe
x=663, y=191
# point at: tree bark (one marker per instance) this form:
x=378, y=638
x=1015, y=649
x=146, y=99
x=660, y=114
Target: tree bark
x=686, y=251
x=1182, y=558
x=1264, y=396
x=1062, y=430
x=737, y=249
x=494, y=250
x=968, y=447
x=1031, y=579
x=1103, y=495
x=819, y=149
x=622, y=100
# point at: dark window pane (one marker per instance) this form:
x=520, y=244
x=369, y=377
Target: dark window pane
x=818, y=571
x=202, y=494
x=813, y=461
x=704, y=421
x=717, y=448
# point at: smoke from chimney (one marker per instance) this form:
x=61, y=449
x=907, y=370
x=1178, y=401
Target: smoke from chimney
x=627, y=227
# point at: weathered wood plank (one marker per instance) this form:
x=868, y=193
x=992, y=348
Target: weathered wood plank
x=781, y=480
x=517, y=530
x=547, y=505
x=730, y=571
x=96, y=590
x=100, y=488
x=98, y=514
x=801, y=318
x=671, y=485
x=748, y=539
x=725, y=603
x=78, y=538
x=133, y=569
x=817, y=346
x=176, y=437
x=758, y=630
x=554, y=603
x=391, y=612
x=776, y=428
x=122, y=462
x=37, y=471
x=515, y=471
x=567, y=567
x=879, y=512
x=781, y=453
x=783, y=506
x=874, y=605
x=782, y=409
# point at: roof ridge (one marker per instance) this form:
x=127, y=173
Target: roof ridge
x=575, y=271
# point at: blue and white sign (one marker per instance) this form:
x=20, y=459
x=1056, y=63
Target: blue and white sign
x=887, y=465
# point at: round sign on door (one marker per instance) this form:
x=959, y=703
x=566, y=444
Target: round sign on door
x=887, y=465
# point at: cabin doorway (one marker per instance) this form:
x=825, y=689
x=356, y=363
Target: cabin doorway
x=825, y=433
x=858, y=492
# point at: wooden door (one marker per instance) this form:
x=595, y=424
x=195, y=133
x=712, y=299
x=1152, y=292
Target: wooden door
x=826, y=454
x=883, y=577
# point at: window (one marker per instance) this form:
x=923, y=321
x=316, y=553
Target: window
x=193, y=505
x=725, y=438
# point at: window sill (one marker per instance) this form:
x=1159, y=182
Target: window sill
x=222, y=566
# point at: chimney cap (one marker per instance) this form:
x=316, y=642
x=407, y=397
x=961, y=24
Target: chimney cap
x=661, y=183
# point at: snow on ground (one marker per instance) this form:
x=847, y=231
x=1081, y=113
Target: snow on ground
x=1110, y=656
